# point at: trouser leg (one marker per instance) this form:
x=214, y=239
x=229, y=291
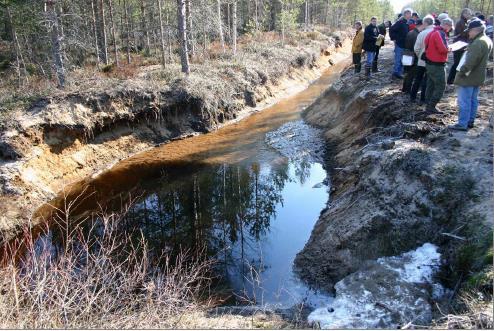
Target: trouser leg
x=368, y=63
x=430, y=84
x=409, y=78
x=474, y=105
x=374, y=62
x=357, y=59
x=437, y=75
x=417, y=82
x=423, y=88
x=464, y=97
x=398, y=67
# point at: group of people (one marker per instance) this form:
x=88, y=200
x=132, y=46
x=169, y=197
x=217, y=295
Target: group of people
x=421, y=49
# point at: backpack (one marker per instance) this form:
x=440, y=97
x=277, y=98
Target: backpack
x=392, y=31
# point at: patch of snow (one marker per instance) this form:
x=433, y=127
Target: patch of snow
x=420, y=266
x=298, y=141
x=384, y=293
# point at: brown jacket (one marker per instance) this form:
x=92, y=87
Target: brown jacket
x=358, y=41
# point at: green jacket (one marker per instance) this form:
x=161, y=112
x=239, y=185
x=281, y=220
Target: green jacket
x=475, y=63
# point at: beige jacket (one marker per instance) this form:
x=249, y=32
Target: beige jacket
x=419, y=47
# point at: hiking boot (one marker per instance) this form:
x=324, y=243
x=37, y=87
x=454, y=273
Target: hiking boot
x=457, y=127
x=470, y=126
x=367, y=73
x=431, y=109
x=374, y=67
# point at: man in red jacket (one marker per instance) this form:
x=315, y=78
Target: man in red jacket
x=436, y=53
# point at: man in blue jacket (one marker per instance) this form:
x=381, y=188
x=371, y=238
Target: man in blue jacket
x=398, y=33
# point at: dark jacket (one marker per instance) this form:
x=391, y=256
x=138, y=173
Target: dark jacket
x=410, y=44
x=398, y=32
x=472, y=73
x=370, y=37
x=460, y=27
x=411, y=39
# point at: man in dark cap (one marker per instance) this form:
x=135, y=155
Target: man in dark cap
x=471, y=74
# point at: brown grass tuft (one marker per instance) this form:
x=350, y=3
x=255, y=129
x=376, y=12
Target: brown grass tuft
x=98, y=279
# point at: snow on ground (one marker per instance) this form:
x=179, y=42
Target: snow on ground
x=298, y=141
x=419, y=265
x=387, y=293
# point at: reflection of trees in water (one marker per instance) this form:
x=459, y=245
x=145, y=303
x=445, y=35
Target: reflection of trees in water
x=225, y=209
x=218, y=208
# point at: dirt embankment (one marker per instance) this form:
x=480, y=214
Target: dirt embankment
x=64, y=138
x=400, y=179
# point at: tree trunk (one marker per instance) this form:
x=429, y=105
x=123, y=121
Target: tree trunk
x=234, y=26
x=103, y=32
x=133, y=27
x=190, y=33
x=168, y=34
x=328, y=11
x=145, y=31
x=56, y=42
x=96, y=47
x=126, y=18
x=220, y=25
x=228, y=21
x=182, y=36
x=256, y=14
x=16, y=48
x=162, y=34
x=306, y=26
x=113, y=33
x=282, y=26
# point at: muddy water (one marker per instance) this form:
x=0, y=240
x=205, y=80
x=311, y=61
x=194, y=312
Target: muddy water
x=250, y=205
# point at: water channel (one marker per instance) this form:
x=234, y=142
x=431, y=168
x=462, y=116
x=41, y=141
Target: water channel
x=250, y=193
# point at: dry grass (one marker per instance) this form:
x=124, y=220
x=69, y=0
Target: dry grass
x=477, y=314
x=98, y=279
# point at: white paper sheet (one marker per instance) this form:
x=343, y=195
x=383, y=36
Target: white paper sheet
x=458, y=45
x=407, y=60
x=462, y=62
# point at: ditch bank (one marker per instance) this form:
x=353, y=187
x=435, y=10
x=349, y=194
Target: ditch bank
x=400, y=179
x=65, y=138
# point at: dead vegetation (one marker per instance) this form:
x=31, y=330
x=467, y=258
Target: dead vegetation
x=98, y=278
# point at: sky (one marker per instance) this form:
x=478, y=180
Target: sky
x=399, y=4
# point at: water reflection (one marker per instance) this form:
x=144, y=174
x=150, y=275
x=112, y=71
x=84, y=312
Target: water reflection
x=238, y=212
x=189, y=212
x=252, y=218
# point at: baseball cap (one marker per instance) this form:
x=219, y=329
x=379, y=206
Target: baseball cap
x=442, y=16
x=474, y=23
x=418, y=22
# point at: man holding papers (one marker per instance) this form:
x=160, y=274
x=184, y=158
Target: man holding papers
x=471, y=74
